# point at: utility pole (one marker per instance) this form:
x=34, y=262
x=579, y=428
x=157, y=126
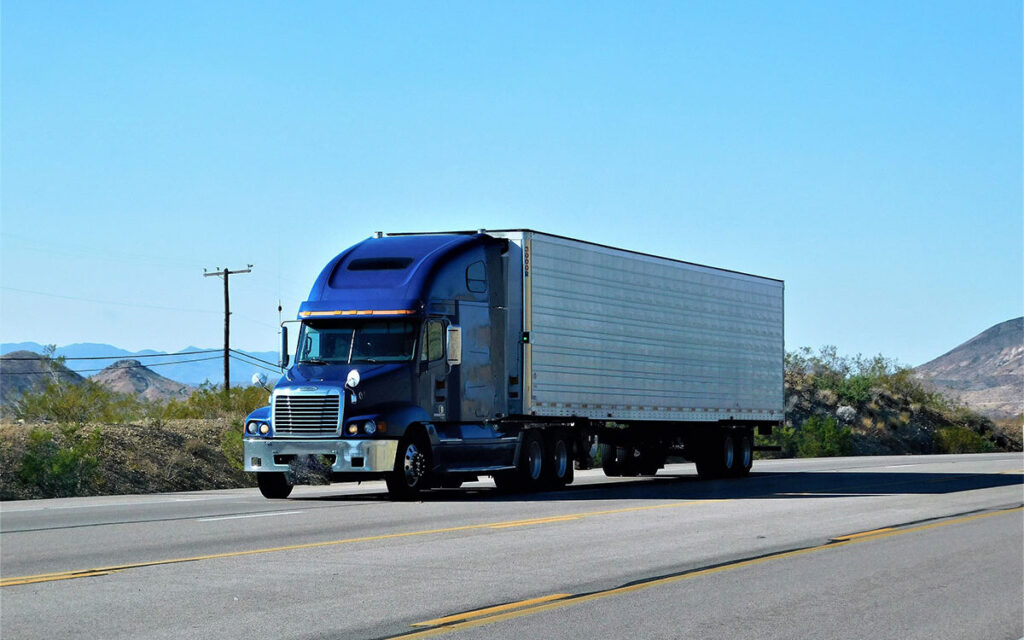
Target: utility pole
x=225, y=273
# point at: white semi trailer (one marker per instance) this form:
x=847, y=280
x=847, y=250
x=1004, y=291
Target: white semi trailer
x=509, y=353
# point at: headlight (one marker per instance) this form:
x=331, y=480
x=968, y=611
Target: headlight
x=352, y=429
x=264, y=429
x=370, y=427
x=251, y=428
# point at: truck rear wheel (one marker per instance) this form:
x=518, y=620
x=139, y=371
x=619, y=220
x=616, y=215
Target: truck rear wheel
x=412, y=468
x=273, y=485
x=559, y=469
x=533, y=460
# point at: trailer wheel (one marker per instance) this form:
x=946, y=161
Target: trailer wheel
x=652, y=458
x=718, y=457
x=609, y=461
x=744, y=455
x=273, y=485
x=412, y=468
x=559, y=470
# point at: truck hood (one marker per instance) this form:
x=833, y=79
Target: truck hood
x=335, y=374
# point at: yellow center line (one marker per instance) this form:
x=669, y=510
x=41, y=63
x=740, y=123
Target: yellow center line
x=862, y=534
x=572, y=600
x=523, y=523
x=81, y=573
x=476, y=613
x=10, y=582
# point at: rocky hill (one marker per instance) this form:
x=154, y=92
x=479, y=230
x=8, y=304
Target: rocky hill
x=21, y=371
x=986, y=373
x=133, y=378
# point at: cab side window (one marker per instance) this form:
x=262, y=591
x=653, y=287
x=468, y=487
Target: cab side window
x=433, y=341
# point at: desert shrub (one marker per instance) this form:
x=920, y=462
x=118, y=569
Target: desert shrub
x=818, y=437
x=856, y=389
x=210, y=401
x=62, y=464
x=64, y=402
x=232, y=448
x=958, y=439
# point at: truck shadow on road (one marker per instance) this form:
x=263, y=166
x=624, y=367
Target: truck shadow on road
x=762, y=485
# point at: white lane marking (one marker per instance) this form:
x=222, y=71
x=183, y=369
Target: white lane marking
x=909, y=464
x=249, y=515
x=100, y=505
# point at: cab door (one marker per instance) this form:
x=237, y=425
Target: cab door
x=435, y=385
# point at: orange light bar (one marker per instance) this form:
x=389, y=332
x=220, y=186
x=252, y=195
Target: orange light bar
x=353, y=312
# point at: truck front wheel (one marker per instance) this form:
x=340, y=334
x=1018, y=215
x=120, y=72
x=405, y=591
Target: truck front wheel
x=412, y=466
x=273, y=485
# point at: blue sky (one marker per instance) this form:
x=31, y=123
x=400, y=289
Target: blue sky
x=868, y=153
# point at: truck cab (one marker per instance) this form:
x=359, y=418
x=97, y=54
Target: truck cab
x=400, y=370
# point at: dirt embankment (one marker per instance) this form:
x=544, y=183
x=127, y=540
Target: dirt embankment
x=48, y=460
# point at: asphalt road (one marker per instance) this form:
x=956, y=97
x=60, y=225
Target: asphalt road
x=898, y=547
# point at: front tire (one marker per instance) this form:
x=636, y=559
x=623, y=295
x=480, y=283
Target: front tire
x=273, y=485
x=412, y=468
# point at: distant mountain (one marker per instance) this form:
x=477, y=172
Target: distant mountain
x=22, y=371
x=133, y=378
x=986, y=372
x=192, y=368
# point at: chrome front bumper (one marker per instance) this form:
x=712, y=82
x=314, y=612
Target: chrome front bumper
x=350, y=456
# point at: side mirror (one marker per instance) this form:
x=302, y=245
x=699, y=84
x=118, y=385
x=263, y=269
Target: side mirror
x=283, y=362
x=454, y=345
x=260, y=378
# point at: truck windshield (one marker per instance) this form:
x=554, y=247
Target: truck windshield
x=356, y=341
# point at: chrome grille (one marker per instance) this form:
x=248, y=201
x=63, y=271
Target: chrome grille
x=305, y=416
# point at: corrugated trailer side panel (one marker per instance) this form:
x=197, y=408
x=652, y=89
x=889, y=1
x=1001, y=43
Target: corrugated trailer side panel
x=620, y=335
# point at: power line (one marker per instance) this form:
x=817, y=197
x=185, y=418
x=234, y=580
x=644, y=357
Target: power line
x=274, y=369
x=126, y=357
x=242, y=353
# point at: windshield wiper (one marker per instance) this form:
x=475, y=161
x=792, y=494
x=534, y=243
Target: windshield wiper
x=312, y=362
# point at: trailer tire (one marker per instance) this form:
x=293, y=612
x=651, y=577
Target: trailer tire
x=273, y=485
x=717, y=458
x=412, y=468
x=609, y=461
x=652, y=458
x=744, y=455
x=559, y=471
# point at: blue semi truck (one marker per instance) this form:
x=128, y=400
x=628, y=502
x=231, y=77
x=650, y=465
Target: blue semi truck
x=430, y=359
